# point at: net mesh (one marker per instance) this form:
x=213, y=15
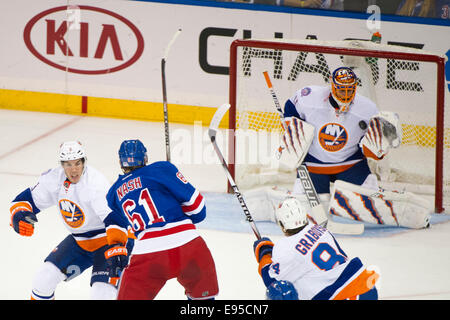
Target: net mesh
x=403, y=86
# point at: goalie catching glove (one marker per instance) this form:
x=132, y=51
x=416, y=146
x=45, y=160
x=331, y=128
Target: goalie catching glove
x=383, y=133
x=295, y=141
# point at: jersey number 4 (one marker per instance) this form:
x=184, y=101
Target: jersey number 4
x=138, y=219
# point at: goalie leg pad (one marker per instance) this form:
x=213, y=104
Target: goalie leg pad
x=263, y=202
x=403, y=209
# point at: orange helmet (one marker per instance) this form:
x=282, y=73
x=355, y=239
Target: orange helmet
x=343, y=87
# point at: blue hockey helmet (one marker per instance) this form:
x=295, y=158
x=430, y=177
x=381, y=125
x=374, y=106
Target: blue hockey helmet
x=281, y=290
x=132, y=153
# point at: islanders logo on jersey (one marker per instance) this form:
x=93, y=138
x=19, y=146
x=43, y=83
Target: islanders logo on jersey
x=71, y=213
x=333, y=137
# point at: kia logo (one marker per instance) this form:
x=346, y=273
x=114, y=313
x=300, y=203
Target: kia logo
x=83, y=39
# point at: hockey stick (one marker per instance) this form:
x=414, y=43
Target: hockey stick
x=214, y=125
x=164, y=92
x=318, y=211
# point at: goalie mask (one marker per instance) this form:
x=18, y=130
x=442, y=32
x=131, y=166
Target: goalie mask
x=291, y=214
x=343, y=87
x=132, y=153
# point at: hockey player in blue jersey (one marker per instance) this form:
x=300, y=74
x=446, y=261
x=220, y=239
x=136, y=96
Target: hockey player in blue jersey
x=163, y=208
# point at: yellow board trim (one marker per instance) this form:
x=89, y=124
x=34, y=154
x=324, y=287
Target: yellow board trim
x=105, y=107
x=413, y=134
x=424, y=136
x=39, y=101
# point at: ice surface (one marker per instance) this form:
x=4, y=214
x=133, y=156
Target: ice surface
x=413, y=263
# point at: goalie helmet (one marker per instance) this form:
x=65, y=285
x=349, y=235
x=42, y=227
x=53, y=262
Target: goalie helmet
x=132, y=153
x=291, y=214
x=343, y=87
x=71, y=150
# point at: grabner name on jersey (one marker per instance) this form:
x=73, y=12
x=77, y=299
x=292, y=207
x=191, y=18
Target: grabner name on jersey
x=307, y=242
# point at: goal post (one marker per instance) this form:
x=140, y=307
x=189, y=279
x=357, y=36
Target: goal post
x=408, y=81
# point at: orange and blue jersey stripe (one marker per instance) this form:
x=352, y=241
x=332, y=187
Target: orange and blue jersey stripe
x=355, y=280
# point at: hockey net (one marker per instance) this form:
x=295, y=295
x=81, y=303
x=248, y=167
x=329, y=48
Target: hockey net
x=408, y=81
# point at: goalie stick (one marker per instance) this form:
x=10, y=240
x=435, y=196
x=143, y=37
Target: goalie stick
x=164, y=92
x=318, y=211
x=214, y=125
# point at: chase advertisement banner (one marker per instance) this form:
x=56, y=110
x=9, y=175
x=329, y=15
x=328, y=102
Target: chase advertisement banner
x=113, y=49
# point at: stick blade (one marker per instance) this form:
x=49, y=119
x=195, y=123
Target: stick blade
x=320, y=216
x=174, y=37
x=345, y=228
x=217, y=118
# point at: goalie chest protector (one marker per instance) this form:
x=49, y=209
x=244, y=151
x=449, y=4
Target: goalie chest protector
x=336, y=136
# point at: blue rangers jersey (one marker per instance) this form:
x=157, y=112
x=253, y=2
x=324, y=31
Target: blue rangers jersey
x=161, y=205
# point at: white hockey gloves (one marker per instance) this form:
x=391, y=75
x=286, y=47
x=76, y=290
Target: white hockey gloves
x=295, y=142
x=384, y=132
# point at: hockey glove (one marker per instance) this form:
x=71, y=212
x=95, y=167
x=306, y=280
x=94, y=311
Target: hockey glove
x=23, y=222
x=262, y=247
x=117, y=259
x=384, y=133
x=281, y=290
x=263, y=253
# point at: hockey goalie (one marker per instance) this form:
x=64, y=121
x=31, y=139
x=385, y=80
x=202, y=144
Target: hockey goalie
x=334, y=131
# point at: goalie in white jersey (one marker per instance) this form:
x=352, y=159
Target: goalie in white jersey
x=343, y=129
x=340, y=118
x=98, y=238
x=309, y=264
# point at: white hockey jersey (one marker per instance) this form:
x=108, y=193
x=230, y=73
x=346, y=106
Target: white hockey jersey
x=335, y=146
x=313, y=261
x=82, y=206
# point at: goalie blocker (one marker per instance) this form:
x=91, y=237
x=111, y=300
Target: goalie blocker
x=295, y=142
x=392, y=208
